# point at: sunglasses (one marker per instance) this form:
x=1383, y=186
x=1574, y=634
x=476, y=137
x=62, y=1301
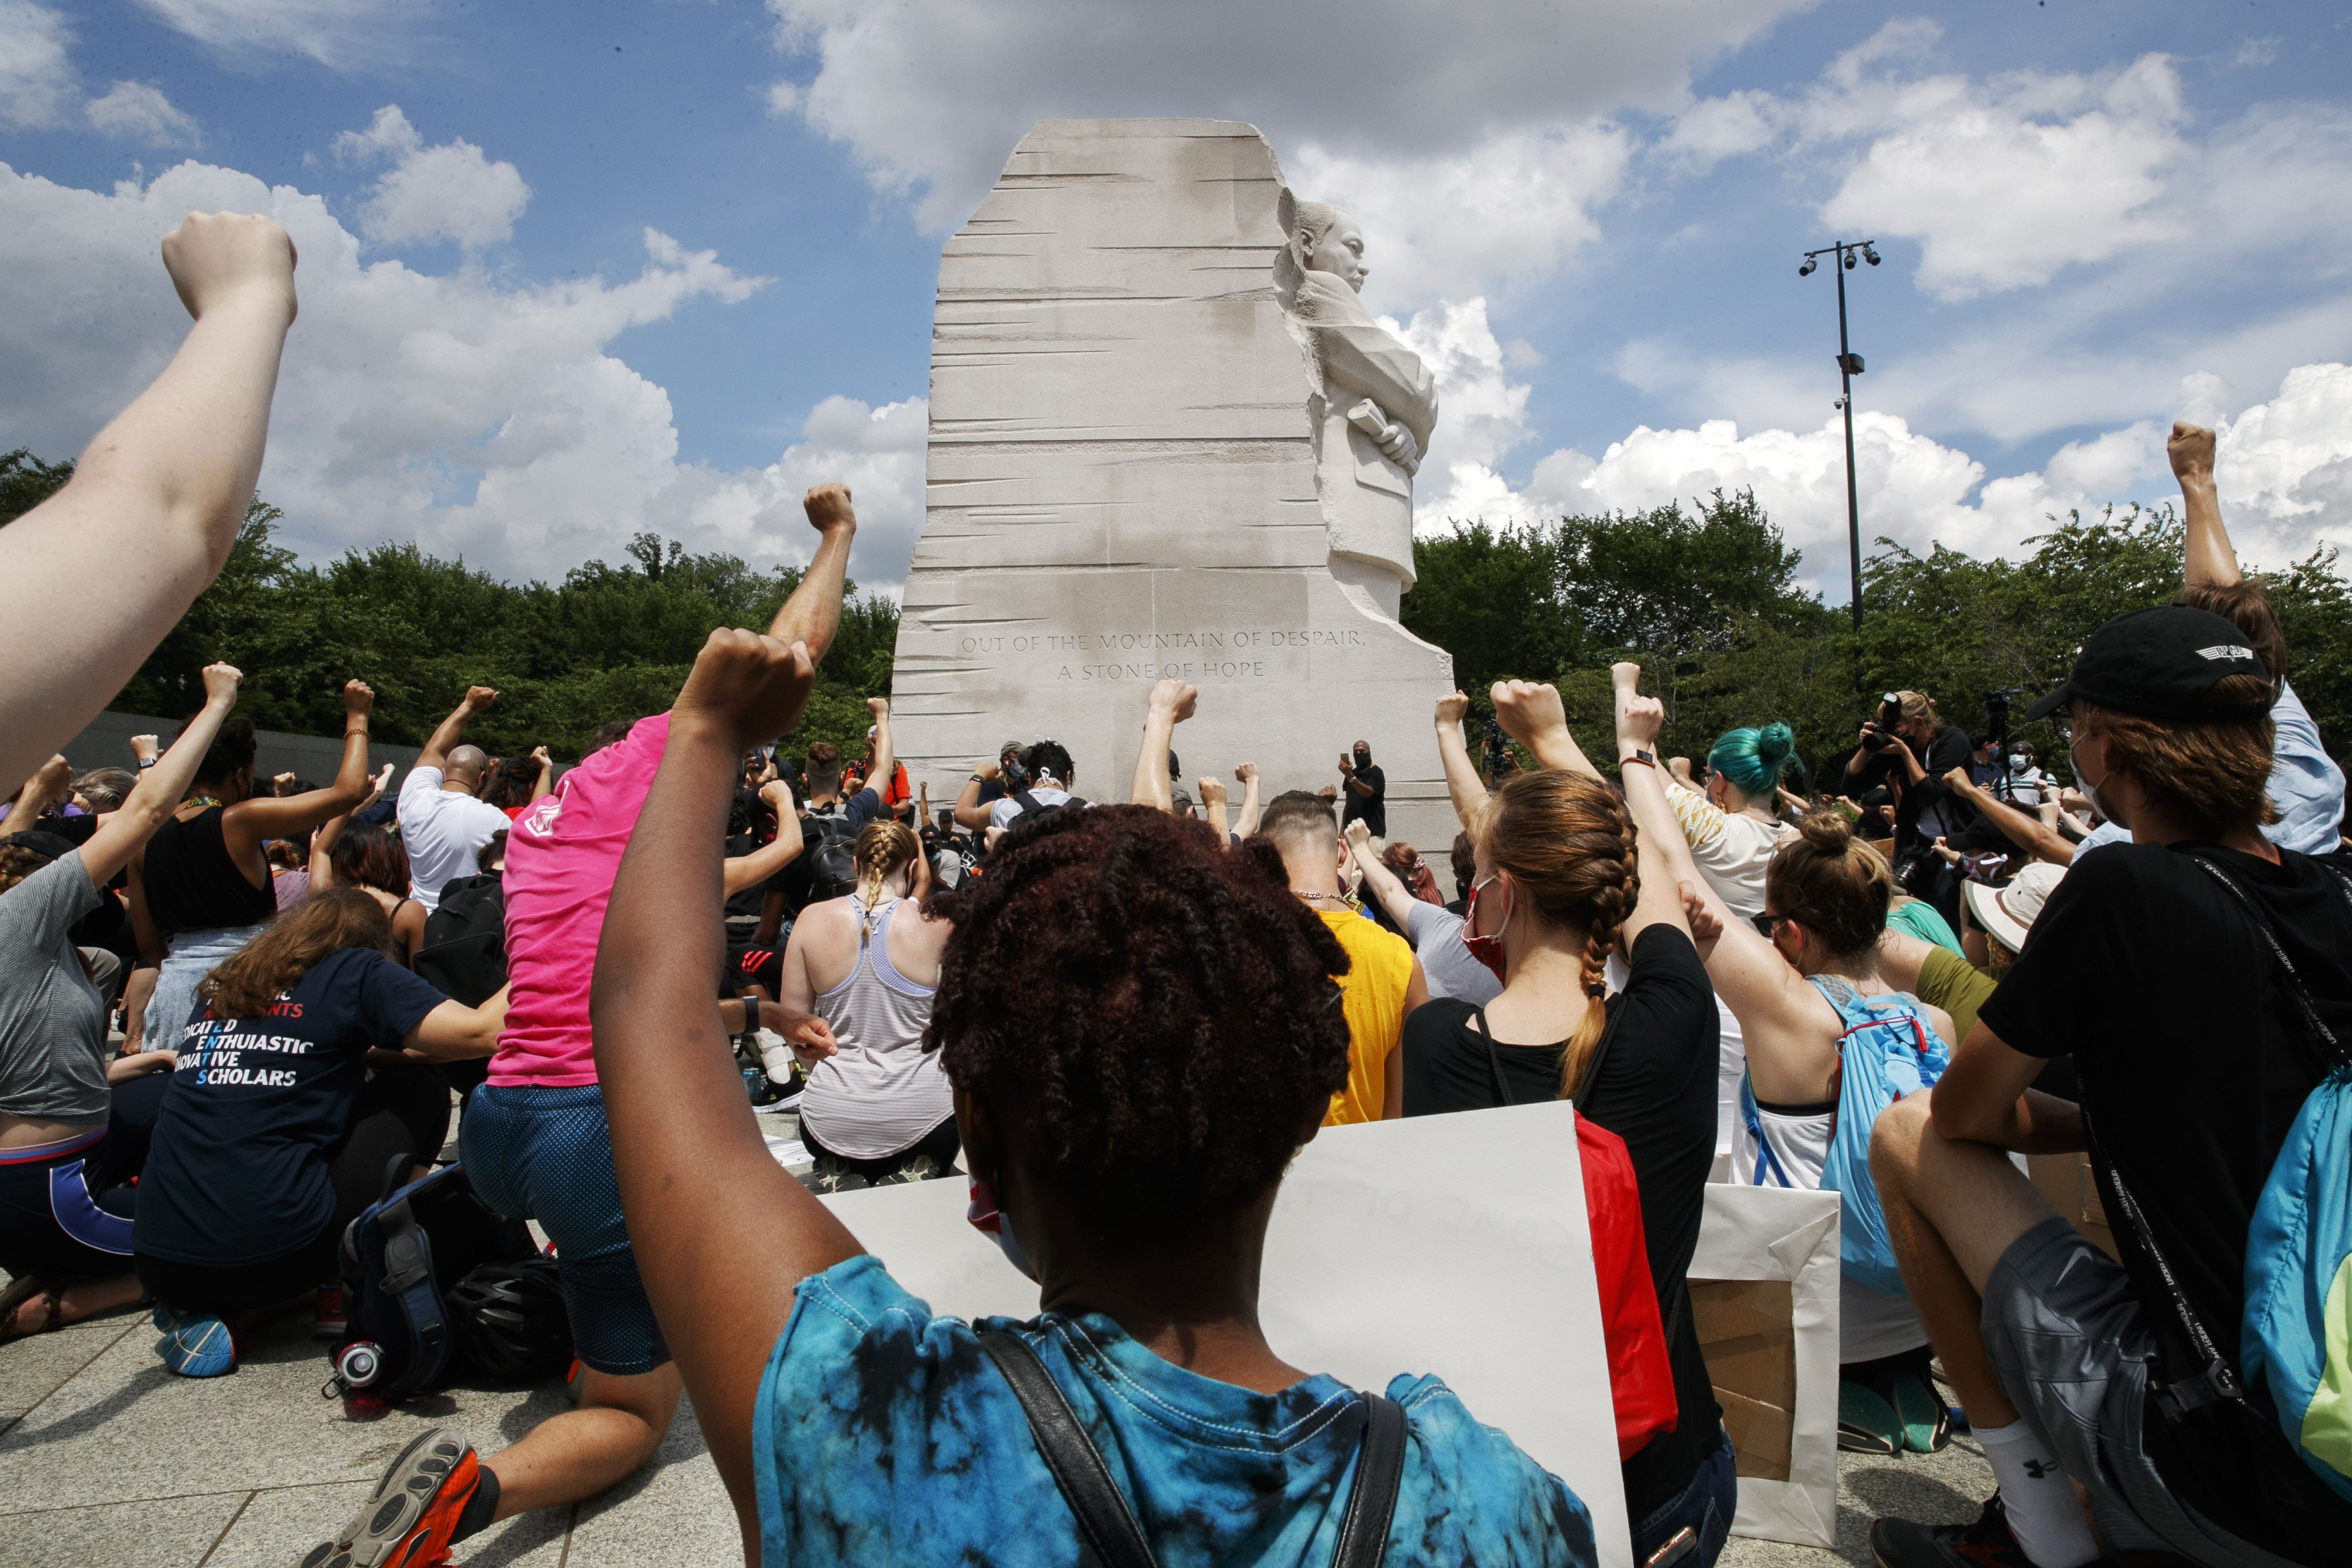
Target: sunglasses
x=1769, y=926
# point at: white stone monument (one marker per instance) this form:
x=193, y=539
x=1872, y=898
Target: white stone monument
x=1166, y=438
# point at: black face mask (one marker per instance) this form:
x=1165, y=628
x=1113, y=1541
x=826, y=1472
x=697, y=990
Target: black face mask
x=1363, y=759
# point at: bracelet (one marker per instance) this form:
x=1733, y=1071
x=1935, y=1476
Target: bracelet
x=1644, y=758
x=146, y=762
x=750, y=1014
x=978, y=780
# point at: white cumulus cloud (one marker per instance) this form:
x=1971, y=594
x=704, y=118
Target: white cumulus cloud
x=1471, y=135
x=475, y=416
x=36, y=74
x=137, y=111
x=450, y=192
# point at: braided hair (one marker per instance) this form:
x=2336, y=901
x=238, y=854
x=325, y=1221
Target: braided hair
x=1568, y=844
x=1155, y=1017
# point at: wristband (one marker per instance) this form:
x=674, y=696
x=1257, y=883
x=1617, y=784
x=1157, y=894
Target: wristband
x=146, y=762
x=978, y=780
x=750, y=1014
x=1644, y=758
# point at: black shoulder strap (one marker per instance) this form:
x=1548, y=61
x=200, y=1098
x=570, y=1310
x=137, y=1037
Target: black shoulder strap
x=1372, y=1501
x=1109, y=1524
x=1078, y=1469
x=1028, y=802
x=2324, y=1038
x=1074, y=803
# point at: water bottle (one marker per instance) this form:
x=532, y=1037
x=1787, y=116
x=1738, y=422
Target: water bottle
x=358, y=1365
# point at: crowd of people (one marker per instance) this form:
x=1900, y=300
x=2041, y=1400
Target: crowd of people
x=238, y=1012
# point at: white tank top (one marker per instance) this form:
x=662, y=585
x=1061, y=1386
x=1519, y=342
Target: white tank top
x=881, y=1093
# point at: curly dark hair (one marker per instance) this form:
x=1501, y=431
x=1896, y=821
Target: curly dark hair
x=1157, y=1018
x=511, y=782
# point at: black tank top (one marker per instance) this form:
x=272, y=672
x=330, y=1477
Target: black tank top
x=192, y=884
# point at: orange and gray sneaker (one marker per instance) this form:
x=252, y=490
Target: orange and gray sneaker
x=408, y=1521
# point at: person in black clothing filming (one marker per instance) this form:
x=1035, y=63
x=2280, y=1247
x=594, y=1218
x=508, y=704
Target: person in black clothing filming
x=2170, y=968
x=1367, y=791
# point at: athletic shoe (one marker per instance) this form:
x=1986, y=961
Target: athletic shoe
x=1987, y=1544
x=194, y=1344
x=327, y=1317
x=1866, y=1423
x=791, y=1090
x=829, y=1176
x=407, y=1521
x=922, y=1168
x=1926, y=1419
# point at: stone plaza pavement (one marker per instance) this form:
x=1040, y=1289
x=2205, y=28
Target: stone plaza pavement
x=108, y=1461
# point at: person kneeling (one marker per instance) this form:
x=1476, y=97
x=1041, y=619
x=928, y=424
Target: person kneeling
x=1141, y=1031
x=2198, y=974
x=251, y=1145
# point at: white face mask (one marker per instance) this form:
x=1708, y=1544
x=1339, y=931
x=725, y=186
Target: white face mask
x=2090, y=791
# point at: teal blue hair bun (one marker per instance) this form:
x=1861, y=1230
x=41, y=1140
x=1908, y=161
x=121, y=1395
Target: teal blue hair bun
x=1756, y=760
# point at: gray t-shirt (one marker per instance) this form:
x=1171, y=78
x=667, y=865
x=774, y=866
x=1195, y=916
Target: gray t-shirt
x=1435, y=932
x=52, y=1019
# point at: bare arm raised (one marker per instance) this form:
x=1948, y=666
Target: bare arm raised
x=1463, y=787
x=156, y=500
x=2211, y=562
x=813, y=615
x=722, y=1234
x=1172, y=704
x=1790, y=1029
x=122, y=832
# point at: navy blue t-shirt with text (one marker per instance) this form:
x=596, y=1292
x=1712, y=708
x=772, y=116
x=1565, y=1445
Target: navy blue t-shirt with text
x=237, y=1171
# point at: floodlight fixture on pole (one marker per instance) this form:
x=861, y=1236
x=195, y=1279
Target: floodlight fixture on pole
x=1847, y=253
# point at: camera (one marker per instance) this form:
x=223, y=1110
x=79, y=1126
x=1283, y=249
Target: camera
x=1877, y=733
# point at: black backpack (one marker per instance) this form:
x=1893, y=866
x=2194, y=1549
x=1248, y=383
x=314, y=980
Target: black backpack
x=465, y=952
x=401, y=1258
x=829, y=854
x=1031, y=806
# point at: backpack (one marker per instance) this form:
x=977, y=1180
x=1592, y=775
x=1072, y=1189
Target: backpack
x=1886, y=1052
x=829, y=853
x=1031, y=806
x=2294, y=1337
x=465, y=952
x=400, y=1256
x=1108, y=1525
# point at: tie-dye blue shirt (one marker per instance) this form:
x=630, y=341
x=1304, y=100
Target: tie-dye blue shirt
x=884, y=1434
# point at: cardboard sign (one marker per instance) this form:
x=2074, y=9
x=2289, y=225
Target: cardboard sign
x=1453, y=1245
x=1764, y=1297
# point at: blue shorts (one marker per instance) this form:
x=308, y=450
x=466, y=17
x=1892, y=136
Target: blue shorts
x=546, y=1154
x=52, y=1226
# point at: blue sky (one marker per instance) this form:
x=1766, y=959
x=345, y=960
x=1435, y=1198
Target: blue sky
x=2095, y=218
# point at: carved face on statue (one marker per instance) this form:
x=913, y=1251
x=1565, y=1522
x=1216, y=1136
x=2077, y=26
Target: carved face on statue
x=1332, y=242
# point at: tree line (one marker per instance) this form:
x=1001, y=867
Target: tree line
x=608, y=642
x=1705, y=599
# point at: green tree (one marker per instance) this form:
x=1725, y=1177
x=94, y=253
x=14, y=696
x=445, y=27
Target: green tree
x=25, y=482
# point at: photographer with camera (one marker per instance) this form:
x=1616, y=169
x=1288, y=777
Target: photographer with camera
x=1907, y=747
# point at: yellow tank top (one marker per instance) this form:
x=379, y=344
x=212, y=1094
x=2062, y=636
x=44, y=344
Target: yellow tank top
x=1371, y=995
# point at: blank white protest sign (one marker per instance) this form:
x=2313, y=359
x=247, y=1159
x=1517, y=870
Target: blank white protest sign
x=1454, y=1244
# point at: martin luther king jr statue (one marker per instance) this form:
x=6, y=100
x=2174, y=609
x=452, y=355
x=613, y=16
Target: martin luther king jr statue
x=1372, y=405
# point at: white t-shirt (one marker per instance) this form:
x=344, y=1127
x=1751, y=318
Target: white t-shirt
x=441, y=830
x=1731, y=851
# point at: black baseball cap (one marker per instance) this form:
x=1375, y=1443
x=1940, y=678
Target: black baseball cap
x=2160, y=663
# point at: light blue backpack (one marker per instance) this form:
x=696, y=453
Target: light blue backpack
x=1886, y=1052
x=2294, y=1339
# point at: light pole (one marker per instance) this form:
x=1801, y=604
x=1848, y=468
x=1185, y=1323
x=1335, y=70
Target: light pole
x=1848, y=366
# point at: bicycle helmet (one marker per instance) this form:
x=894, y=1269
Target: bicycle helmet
x=510, y=1320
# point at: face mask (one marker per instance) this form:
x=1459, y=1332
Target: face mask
x=984, y=1217
x=1486, y=949
x=2090, y=792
